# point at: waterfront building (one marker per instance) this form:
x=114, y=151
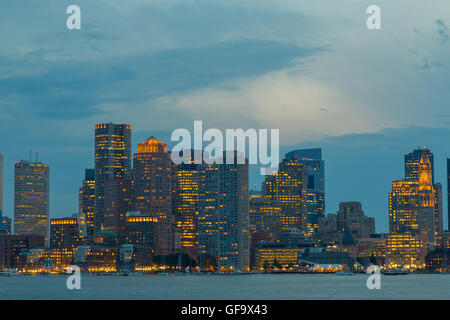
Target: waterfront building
x=68, y=232
x=443, y=240
x=86, y=200
x=97, y=258
x=438, y=260
x=371, y=248
x=152, y=190
x=405, y=249
x=112, y=162
x=31, y=198
x=11, y=246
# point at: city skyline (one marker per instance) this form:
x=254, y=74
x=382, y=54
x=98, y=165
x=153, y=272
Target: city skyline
x=382, y=226
x=318, y=75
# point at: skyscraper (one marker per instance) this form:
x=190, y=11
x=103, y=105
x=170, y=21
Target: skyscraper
x=31, y=199
x=86, y=199
x=414, y=202
x=185, y=204
x=152, y=190
x=117, y=202
x=412, y=160
x=287, y=187
x=233, y=216
x=112, y=161
x=314, y=188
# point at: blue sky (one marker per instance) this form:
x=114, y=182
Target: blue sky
x=311, y=69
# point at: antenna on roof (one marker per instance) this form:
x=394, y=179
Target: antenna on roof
x=30, y=154
x=37, y=156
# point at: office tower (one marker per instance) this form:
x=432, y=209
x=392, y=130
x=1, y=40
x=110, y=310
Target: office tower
x=233, y=216
x=117, y=202
x=351, y=217
x=31, y=197
x=185, y=205
x=427, y=197
x=448, y=193
x=287, y=187
x=403, y=206
x=412, y=160
x=112, y=161
x=438, y=209
x=69, y=232
x=412, y=203
x=152, y=190
x=208, y=219
x=139, y=230
x=314, y=167
x=86, y=199
x=264, y=215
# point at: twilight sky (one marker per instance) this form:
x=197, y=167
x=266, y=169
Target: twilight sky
x=310, y=68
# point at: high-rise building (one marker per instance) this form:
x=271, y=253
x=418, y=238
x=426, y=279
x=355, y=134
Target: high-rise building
x=314, y=167
x=412, y=160
x=139, y=230
x=31, y=198
x=68, y=232
x=414, y=204
x=117, y=202
x=152, y=190
x=351, y=217
x=185, y=205
x=208, y=219
x=287, y=187
x=264, y=215
x=112, y=161
x=86, y=199
x=233, y=216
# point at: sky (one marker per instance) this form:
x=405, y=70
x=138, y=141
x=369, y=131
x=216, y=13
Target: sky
x=309, y=68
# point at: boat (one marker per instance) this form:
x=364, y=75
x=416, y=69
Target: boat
x=9, y=273
x=395, y=272
x=344, y=273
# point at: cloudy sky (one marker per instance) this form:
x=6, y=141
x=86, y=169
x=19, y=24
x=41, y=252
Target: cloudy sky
x=310, y=68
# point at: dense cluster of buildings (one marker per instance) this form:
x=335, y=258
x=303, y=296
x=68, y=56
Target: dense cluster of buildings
x=142, y=212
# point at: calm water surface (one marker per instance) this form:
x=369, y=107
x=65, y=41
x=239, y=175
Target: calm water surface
x=283, y=286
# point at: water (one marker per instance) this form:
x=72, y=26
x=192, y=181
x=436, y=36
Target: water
x=282, y=286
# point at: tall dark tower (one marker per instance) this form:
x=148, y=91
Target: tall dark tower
x=31, y=196
x=86, y=200
x=412, y=161
x=112, y=161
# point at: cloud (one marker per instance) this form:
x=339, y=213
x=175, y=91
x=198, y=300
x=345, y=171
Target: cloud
x=442, y=30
